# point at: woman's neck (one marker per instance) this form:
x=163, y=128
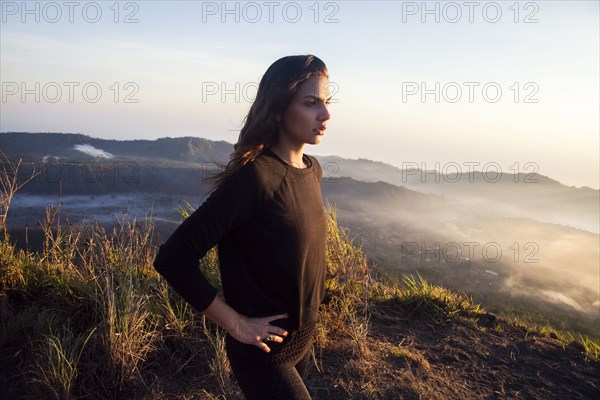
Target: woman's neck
x=293, y=157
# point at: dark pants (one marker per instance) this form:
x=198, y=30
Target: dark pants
x=275, y=382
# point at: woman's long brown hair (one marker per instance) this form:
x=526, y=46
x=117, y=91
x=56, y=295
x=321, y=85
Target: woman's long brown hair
x=277, y=88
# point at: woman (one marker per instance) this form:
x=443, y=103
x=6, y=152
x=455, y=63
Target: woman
x=266, y=214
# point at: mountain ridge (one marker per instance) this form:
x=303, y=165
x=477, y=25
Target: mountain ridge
x=198, y=149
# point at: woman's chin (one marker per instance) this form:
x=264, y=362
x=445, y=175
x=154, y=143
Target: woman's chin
x=316, y=139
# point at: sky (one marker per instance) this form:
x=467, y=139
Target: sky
x=511, y=86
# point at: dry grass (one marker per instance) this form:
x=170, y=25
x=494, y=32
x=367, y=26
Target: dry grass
x=88, y=316
x=57, y=359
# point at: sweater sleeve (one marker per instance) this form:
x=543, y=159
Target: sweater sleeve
x=228, y=206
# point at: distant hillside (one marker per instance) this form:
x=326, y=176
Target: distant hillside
x=80, y=176
x=523, y=195
x=503, y=186
x=31, y=146
x=369, y=170
x=82, y=164
x=355, y=195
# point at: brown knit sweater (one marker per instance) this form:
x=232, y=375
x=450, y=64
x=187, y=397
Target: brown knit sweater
x=270, y=225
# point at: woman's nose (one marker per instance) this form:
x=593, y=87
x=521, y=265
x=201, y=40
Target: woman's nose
x=325, y=115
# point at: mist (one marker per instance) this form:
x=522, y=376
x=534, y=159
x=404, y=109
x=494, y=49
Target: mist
x=482, y=251
x=525, y=241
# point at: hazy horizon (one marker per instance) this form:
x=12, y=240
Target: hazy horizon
x=469, y=168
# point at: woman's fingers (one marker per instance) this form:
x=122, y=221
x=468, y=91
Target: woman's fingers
x=264, y=347
x=271, y=338
x=275, y=329
x=278, y=331
x=274, y=317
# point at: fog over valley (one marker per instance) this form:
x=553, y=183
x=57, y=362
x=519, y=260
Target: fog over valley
x=521, y=242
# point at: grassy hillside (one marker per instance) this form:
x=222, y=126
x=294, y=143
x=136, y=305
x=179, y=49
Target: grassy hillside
x=87, y=316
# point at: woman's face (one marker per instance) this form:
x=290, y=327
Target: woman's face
x=305, y=119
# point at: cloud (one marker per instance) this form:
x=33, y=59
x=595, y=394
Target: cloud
x=92, y=151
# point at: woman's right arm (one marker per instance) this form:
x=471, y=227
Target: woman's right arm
x=232, y=203
x=178, y=258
